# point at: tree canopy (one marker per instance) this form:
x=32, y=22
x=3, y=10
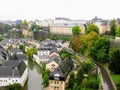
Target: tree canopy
x=114, y=63
x=118, y=31
x=75, y=43
x=76, y=30
x=113, y=27
x=1, y=38
x=15, y=86
x=71, y=80
x=92, y=27
x=99, y=51
x=24, y=23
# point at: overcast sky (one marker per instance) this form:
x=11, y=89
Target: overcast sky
x=44, y=9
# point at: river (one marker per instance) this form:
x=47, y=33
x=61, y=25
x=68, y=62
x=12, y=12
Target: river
x=34, y=77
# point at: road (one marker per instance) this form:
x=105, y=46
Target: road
x=107, y=82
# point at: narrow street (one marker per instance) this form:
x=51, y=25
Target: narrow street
x=107, y=82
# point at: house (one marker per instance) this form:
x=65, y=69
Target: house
x=14, y=51
x=53, y=63
x=60, y=76
x=44, y=53
x=13, y=72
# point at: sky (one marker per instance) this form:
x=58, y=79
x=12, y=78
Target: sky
x=73, y=9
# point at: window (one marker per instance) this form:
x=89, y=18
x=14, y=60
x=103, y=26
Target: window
x=53, y=64
x=16, y=80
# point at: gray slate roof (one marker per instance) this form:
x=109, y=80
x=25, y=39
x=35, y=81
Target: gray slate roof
x=12, y=68
x=62, y=71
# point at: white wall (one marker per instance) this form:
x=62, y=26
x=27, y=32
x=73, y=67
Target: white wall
x=7, y=81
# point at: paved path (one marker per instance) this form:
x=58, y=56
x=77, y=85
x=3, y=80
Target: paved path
x=106, y=78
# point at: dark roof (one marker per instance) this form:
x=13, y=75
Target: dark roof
x=105, y=22
x=15, y=50
x=21, y=57
x=12, y=63
x=62, y=18
x=55, y=58
x=96, y=19
x=12, y=68
x=62, y=71
x=18, y=57
x=50, y=48
x=21, y=67
x=5, y=71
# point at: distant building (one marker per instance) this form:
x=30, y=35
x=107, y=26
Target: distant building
x=64, y=29
x=103, y=25
x=18, y=22
x=60, y=76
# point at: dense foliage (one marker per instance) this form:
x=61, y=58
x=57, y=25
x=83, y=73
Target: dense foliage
x=118, y=31
x=92, y=27
x=75, y=43
x=71, y=80
x=30, y=52
x=99, y=51
x=1, y=38
x=15, y=86
x=76, y=30
x=113, y=27
x=4, y=28
x=114, y=63
x=58, y=37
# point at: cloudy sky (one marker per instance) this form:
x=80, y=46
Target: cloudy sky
x=44, y=9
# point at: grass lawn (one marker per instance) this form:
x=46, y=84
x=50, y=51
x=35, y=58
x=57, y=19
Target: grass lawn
x=116, y=78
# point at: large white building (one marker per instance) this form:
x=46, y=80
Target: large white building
x=13, y=72
x=14, y=69
x=64, y=29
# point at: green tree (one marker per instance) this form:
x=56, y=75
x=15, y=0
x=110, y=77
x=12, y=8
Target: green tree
x=30, y=53
x=75, y=87
x=18, y=26
x=15, y=86
x=25, y=23
x=75, y=43
x=1, y=38
x=99, y=51
x=88, y=41
x=118, y=31
x=92, y=27
x=35, y=27
x=114, y=63
x=113, y=27
x=45, y=80
x=22, y=47
x=87, y=66
x=76, y=30
x=79, y=77
x=71, y=80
